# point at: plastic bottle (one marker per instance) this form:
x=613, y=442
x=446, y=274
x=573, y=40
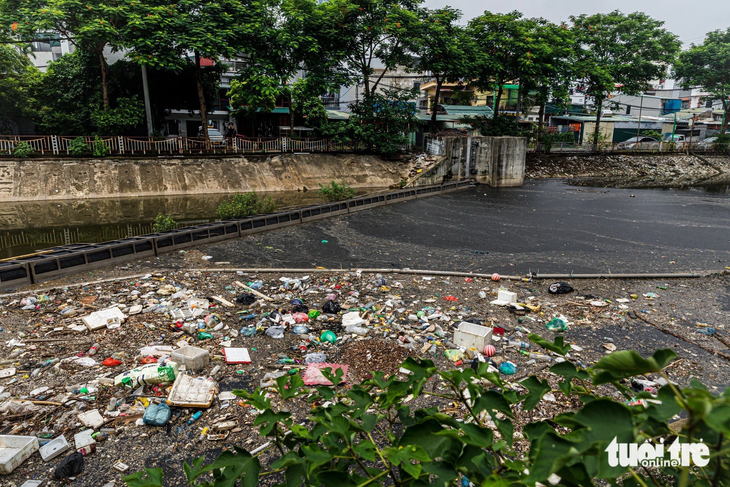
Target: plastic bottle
x=541, y=357
x=195, y=417
x=50, y=362
x=112, y=403
x=515, y=343
x=88, y=450
x=203, y=433
x=94, y=348
x=215, y=370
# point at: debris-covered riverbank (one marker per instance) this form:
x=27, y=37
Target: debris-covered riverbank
x=632, y=170
x=59, y=376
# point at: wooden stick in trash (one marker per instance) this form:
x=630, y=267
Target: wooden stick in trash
x=252, y=291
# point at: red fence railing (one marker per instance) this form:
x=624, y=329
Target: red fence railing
x=121, y=145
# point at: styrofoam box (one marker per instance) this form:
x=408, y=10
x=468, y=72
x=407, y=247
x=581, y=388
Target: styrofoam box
x=474, y=336
x=193, y=358
x=14, y=450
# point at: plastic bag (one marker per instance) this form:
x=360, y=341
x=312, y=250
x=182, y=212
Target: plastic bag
x=70, y=466
x=300, y=317
x=276, y=331
x=560, y=288
x=157, y=415
x=246, y=299
x=151, y=374
x=331, y=307
x=300, y=308
x=352, y=319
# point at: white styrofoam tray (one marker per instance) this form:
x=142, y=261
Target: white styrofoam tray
x=14, y=450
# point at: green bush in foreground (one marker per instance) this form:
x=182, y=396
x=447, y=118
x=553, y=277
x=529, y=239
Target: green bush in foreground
x=368, y=434
x=164, y=223
x=335, y=191
x=78, y=147
x=242, y=205
x=22, y=150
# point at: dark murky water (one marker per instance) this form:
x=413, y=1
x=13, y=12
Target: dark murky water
x=29, y=226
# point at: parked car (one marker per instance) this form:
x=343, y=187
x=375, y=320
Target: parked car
x=707, y=143
x=639, y=143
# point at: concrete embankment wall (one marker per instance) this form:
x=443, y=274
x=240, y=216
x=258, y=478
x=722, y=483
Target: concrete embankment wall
x=43, y=179
x=496, y=161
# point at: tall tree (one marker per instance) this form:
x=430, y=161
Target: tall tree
x=501, y=50
x=291, y=37
x=90, y=26
x=15, y=73
x=708, y=65
x=548, y=70
x=617, y=50
x=370, y=33
x=439, y=49
x=170, y=35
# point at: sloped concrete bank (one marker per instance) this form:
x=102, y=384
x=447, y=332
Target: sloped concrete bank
x=632, y=170
x=48, y=179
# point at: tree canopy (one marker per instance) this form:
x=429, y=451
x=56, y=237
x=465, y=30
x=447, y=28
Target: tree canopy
x=707, y=65
x=618, y=51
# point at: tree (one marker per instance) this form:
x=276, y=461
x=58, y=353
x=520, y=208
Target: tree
x=15, y=73
x=90, y=26
x=66, y=99
x=382, y=120
x=501, y=49
x=162, y=34
x=439, y=47
x=619, y=50
x=708, y=65
x=548, y=71
x=365, y=33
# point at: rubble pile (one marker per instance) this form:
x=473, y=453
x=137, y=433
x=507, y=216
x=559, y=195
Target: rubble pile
x=100, y=380
x=675, y=170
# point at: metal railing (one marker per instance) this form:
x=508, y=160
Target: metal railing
x=122, y=145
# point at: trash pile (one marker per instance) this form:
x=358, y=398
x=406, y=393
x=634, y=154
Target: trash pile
x=86, y=370
x=624, y=170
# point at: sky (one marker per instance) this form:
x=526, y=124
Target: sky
x=689, y=20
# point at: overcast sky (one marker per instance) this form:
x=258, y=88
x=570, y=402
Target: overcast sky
x=690, y=20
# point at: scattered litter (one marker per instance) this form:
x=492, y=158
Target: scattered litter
x=195, y=392
x=313, y=374
x=237, y=356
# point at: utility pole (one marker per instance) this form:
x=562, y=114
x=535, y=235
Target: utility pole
x=638, y=127
x=147, y=107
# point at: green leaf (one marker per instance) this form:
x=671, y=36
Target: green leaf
x=150, y=477
x=366, y=449
x=477, y=435
x=537, y=390
x=558, y=346
x=316, y=456
x=492, y=400
x=507, y=429
x=628, y=363
x=233, y=467
x=425, y=435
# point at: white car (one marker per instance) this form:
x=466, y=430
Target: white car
x=639, y=143
x=707, y=143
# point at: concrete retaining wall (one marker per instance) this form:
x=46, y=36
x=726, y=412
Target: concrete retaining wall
x=43, y=179
x=496, y=161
